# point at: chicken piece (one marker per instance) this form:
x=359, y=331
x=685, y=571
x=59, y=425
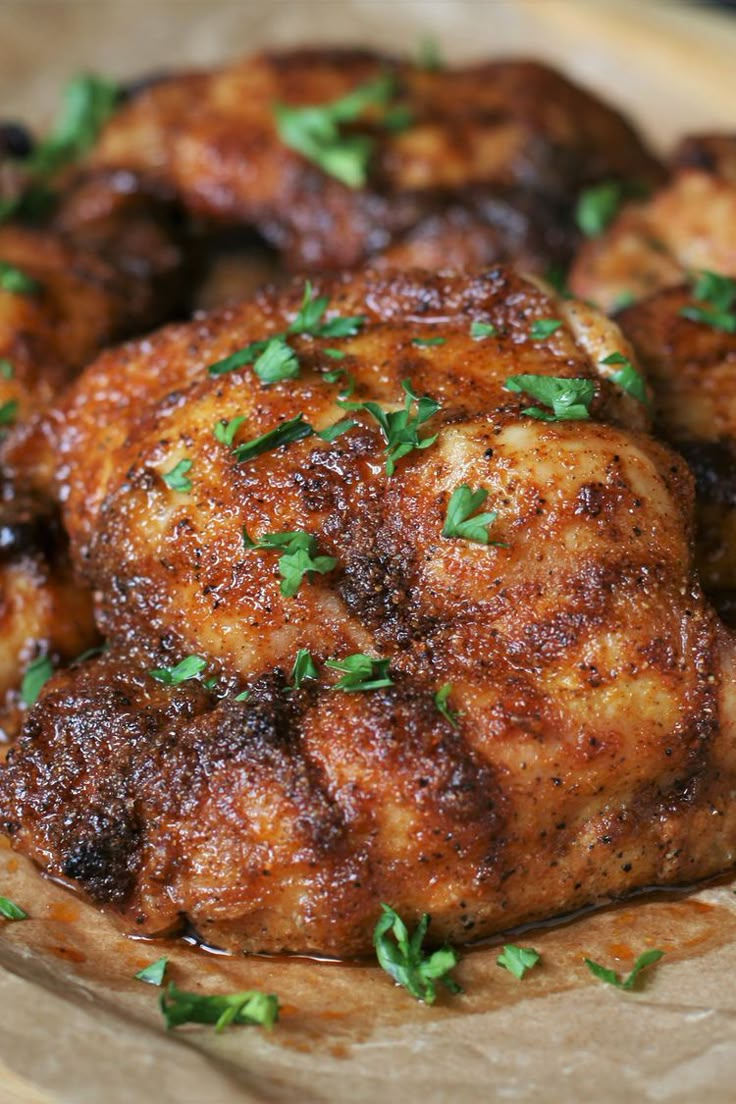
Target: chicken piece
x=512, y=130
x=587, y=739
x=692, y=369
x=713, y=153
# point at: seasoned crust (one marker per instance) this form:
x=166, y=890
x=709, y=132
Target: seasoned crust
x=503, y=128
x=593, y=686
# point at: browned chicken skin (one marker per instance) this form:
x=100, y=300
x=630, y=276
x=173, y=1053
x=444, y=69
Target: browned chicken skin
x=505, y=145
x=591, y=739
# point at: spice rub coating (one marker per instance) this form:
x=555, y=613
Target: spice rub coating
x=590, y=738
x=489, y=157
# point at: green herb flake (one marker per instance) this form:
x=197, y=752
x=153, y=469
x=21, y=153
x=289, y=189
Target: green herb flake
x=6, y=368
x=423, y=342
x=303, y=668
x=9, y=412
x=462, y=520
x=400, y=427
x=623, y=300
x=250, y=1007
x=718, y=294
x=598, y=206
x=335, y=354
x=239, y=359
x=277, y=362
x=627, y=378
x=403, y=958
x=429, y=56
x=88, y=102
x=441, y=700
x=542, y=328
x=360, y=672
x=568, y=399
x=10, y=911
x=225, y=430
x=177, y=479
x=16, y=281
x=153, y=974
x=335, y=375
x=610, y=977
x=517, y=960
x=309, y=320
x=189, y=668
x=284, y=434
x=298, y=559
x=314, y=131
x=36, y=676
x=479, y=330
x=336, y=430
x=242, y=696
x=556, y=277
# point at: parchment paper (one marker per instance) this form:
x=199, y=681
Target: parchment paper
x=76, y=1026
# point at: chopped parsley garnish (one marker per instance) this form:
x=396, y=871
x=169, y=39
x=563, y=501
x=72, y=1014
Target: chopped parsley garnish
x=10, y=911
x=400, y=427
x=277, y=362
x=623, y=300
x=428, y=55
x=88, y=102
x=336, y=430
x=461, y=519
x=612, y=978
x=303, y=668
x=517, y=960
x=568, y=399
x=718, y=296
x=8, y=412
x=189, y=668
x=441, y=699
x=335, y=375
x=225, y=430
x=242, y=696
x=402, y=957
x=627, y=378
x=480, y=330
x=360, y=672
x=153, y=974
x=542, y=328
x=428, y=341
x=285, y=434
x=556, y=277
x=177, y=479
x=16, y=281
x=314, y=131
x=297, y=559
x=6, y=368
x=598, y=206
x=309, y=320
x=36, y=676
x=250, y=1007
x=239, y=359
x=335, y=354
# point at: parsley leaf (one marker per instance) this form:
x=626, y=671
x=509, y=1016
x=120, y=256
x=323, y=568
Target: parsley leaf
x=459, y=521
x=284, y=434
x=10, y=911
x=623, y=300
x=428, y=55
x=6, y=368
x=627, y=378
x=479, y=330
x=278, y=361
x=16, y=281
x=718, y=293
x=404, y=960
x=441, y=699
x=225, y=431
x=611, y=977
x=314, y=131
x=336, y=430
x=569, y=399
x=428, y=341
x=303, y=668
x=335, y=375
x=8, y=412
x=360, y=672
x=598, y=206
x=311, y=313
x=88, y=102
x=188, y=668
x=250, y=1007
x=239, y=359
x=542, y=328
x=177, y=478
x=36, y=676
x=517, y=960
x=400, y=427
x=242, y=696
x=153, y=974
x=297, y=560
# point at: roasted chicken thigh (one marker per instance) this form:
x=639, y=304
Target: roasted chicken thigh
x=331, y=682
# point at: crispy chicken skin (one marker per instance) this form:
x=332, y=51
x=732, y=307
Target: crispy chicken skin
x=515, y=130
x=592, y=749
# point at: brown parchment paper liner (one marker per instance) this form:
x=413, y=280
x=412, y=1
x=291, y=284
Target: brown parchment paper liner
x=76, y=1027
